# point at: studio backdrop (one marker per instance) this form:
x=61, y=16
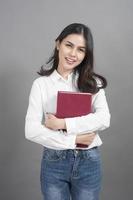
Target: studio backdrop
x=28, y=29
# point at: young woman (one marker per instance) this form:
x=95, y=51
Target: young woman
x=68, y=171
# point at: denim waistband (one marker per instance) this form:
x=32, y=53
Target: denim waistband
x=83, y=153
x=71, y=150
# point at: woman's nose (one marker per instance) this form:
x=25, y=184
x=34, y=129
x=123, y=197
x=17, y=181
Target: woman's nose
x=73, y=52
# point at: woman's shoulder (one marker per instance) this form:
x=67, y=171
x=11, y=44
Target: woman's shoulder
x=41, y=79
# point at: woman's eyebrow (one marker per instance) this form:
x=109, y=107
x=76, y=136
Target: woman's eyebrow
x=73, y=44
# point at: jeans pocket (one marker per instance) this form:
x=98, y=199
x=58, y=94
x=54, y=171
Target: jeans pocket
x=53, y=155
x=94, y=154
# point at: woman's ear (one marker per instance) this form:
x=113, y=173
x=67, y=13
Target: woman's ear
x=57, y=44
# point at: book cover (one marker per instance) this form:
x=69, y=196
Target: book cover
x=73, y=104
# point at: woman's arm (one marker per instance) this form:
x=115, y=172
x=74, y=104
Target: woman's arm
x=96, y=121
x=38, y=132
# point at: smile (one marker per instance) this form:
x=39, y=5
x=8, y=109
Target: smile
x=70, y=61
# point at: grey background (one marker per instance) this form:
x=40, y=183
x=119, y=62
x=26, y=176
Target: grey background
x=28, y=29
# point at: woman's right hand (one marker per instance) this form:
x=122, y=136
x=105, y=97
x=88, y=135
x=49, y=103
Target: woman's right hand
x=86, y=138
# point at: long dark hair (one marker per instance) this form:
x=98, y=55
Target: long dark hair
x=87, y=79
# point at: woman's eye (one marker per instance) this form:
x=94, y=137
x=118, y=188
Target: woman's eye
x=68, y=45
x=82, y=50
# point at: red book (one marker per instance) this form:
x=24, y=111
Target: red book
x=73, y=104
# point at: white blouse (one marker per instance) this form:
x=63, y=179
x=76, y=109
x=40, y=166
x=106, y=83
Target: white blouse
x=43, y=99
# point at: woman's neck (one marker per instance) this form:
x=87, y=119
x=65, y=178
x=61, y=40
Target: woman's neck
x=64, y=73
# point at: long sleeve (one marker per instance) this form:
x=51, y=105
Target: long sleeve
x=96, y=121
x=36, y=131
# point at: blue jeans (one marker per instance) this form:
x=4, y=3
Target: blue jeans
x=71, y=174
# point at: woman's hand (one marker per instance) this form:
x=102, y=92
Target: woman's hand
x=54, y=123
x=85, y=138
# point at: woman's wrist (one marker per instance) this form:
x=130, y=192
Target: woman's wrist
x=78, y=139
x=62, y=124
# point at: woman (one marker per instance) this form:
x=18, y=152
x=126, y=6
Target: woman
x=67, y=170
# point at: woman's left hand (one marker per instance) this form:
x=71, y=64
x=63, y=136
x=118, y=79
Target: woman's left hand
x=54, y=123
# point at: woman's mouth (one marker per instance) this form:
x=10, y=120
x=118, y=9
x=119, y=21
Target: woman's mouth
x=70, y=60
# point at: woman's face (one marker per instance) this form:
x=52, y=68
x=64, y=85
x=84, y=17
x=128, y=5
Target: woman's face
x=71, y=52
